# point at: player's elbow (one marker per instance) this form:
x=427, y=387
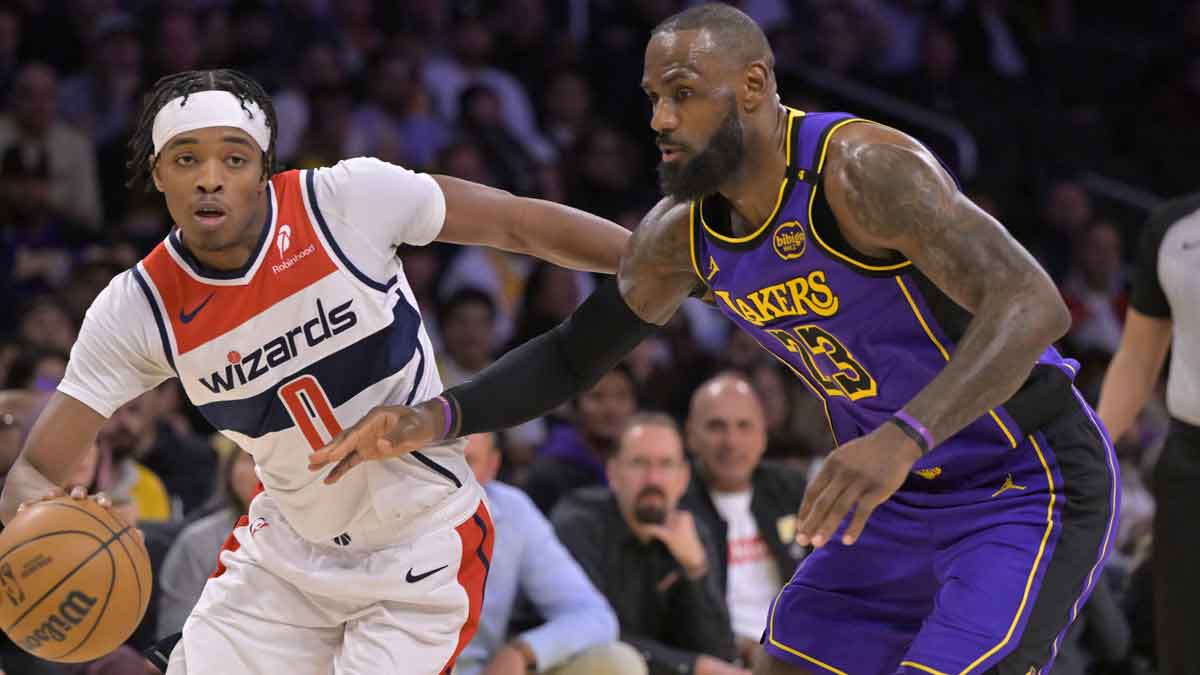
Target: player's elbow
x=1050, y=317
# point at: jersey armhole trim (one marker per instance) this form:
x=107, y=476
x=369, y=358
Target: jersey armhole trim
x=314, y=208
x=158, y=318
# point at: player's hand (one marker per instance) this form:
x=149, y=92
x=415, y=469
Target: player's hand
x=77, y=492
x=386, y=431
x=859, y=475
x=679, y=535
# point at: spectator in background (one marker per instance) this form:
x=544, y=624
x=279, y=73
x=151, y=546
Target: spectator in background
x=35, y=369
x=467, y=321
x=101, y=101
x=568, y=108
x=603, y=175
x=479, y=120
x=10, y=46
x=318, y=69
x=176, y=44
x=48, y=169
x=651, y=559
x=359, y=38
x=550, y=294
x=579, y=634
x=119, y=443
x=1066, y=213
x=191, y=558
x=749, y=506
x=797, y=431
x=330, y=135
x=575, y=455
x=447, y=77
x=44, y=323
x=398, y=112
x=1094, y=289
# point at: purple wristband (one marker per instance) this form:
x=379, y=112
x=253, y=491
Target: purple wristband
x=919, y=433
x=448, y=415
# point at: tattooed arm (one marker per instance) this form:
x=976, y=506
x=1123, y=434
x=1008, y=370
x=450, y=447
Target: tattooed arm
x=653, y=279
x=890, y=193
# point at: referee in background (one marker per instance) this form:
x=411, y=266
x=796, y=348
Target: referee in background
x=1164, y=311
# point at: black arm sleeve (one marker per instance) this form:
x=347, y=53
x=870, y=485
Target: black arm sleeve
x=545, y=372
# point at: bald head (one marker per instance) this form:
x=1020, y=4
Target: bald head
x=732, y=31
x=726, y=432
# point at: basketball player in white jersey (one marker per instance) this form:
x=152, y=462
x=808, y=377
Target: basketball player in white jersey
x=280, y=304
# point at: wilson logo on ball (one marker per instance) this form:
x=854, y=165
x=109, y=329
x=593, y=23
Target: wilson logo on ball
x=71, y=613
x=16, y=595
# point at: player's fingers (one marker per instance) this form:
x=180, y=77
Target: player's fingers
x=814, y=489
x=335, y=450
x=864, y=509
x=78, y=492
x=102, y=499
x=835, y=515
x=822, y=503
x=348, y=462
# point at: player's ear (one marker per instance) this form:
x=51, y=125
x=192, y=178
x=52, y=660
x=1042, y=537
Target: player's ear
x=756, y=86
x=158, y=185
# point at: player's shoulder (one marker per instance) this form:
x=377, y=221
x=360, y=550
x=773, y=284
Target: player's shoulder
x=124, y=291
x=662, y=228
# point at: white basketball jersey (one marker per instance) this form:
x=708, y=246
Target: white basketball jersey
x=317, y=329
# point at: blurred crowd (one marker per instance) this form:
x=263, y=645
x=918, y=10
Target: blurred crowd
x=541, y=97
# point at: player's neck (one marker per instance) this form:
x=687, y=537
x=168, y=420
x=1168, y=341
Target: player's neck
x=754, y=189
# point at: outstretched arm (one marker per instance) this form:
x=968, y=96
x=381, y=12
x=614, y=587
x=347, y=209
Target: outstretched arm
x=484, y=216
x=890, y=194
x=655, y=277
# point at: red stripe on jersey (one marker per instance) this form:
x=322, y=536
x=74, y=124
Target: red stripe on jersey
x=477, y=534
x=231, y=542
x=294, y=260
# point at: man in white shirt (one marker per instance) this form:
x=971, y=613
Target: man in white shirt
x=749, y=506
x=279, y=303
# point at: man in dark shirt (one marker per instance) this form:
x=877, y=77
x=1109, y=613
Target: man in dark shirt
x=650, y=558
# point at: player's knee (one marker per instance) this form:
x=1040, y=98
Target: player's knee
x=613, y=658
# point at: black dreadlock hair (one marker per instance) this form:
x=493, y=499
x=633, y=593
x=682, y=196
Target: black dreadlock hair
x=141, y=143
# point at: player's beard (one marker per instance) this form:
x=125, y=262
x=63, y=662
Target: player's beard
x=703, y=174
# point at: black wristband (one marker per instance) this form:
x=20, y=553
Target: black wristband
x=547, y=371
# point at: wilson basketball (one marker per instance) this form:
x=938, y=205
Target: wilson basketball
x=74, y=580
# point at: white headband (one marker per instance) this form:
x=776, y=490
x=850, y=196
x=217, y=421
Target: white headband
x=212, y=108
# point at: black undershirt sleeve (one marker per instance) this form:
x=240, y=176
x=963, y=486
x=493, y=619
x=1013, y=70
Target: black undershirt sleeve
x=1148, y=296
x=545, y=372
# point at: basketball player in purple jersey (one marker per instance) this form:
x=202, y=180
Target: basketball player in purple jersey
x=964, y=516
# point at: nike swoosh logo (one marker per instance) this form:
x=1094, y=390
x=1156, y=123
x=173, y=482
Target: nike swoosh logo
x=186, y=317
x=1189, y=245
x=414, y=578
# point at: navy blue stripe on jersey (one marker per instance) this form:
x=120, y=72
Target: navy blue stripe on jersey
x=342, y=375
x=424, y=459
x=310, y=185
x=199, y=268
x=158, y=318
x=420, y=373
x=487, y=565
